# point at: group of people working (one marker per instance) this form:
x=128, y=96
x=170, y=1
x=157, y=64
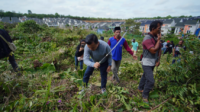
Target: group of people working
x=107, y=56
x=169, y=47
x=96, y=54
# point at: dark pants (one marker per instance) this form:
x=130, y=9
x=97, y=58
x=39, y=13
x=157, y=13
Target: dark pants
x=147, y=81
x=168, y=50
x=13, y=63
x=103, y=71
x=174, y=60
x=76, y=63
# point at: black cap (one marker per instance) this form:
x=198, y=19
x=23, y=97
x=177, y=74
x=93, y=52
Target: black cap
x=117, y=28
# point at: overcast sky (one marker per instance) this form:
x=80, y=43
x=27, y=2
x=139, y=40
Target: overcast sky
x=122, y=9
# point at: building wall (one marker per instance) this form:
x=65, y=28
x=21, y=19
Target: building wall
x=177, y=30
x=173, y=23
x=141, y=28
x=164, y=28
x=192, y=29
x=146, y=28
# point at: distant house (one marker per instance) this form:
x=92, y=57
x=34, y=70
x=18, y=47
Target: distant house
x=15, y=20
x=187, y=27
x=191, y=26
x=167, y=26
x=146, y=26
x=6, y=19
x=142, y=26
x=179, y=28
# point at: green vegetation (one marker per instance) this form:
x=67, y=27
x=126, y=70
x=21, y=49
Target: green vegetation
x=54, y=85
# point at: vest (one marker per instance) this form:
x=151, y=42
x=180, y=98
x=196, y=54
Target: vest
x=117, y=52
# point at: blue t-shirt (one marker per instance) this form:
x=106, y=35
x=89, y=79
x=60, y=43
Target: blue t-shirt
x=135, y=45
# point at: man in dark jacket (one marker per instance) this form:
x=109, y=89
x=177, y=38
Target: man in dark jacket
x=5, y=51
x=79, y=54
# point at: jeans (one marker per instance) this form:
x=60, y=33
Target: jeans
x=164, y=49
x=103, y=70
x=147, y=81
x=76, y=63
x=174, y=60
x=13, y=63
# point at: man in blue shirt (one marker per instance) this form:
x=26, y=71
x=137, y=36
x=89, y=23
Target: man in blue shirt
x=97, y=50
x=117, y=51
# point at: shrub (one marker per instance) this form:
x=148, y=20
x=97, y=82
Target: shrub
x=29, y=26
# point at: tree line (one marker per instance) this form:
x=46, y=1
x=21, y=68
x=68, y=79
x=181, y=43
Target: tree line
x=159, y=17
x=56, y=15
x=40, y=16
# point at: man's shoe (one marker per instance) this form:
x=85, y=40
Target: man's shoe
x=103, y=90
x=145, y=100
x=141, y=91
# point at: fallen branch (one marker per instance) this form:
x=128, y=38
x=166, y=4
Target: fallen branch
x=160, y=104
x=191, y=78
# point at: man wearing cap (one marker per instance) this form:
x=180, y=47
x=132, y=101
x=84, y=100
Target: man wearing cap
x=135, y=46
x=117, y=51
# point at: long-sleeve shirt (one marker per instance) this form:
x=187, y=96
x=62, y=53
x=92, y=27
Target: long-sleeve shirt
x=117, y=52
x=102, y=50
x=4, y=48
x=128, y=49
x=79, y=53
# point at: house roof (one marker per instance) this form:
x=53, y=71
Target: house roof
x=177, y=20
x=180, y=24
x=191, y=22
x=167, y=22
x=142, y=24
x=148, y=22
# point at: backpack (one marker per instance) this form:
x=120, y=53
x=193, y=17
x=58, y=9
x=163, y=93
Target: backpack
x=10, y=45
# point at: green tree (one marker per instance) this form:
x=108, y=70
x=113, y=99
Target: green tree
x=29, y=12
x=169, y=16
x=132, y=26
x=57, y=15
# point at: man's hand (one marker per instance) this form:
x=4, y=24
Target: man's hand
x=109, y=68
x=157, y=63
x=159, y=36
x=97, y=65
x=81, y=49
x=134, y=57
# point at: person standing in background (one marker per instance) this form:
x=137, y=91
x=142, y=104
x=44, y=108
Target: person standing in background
x=79, y=54
x=135, y=46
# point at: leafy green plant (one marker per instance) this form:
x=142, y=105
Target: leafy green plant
x=29, y=26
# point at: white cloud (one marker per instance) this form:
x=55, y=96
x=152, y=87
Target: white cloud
x=161, y=2
x=105, y=8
